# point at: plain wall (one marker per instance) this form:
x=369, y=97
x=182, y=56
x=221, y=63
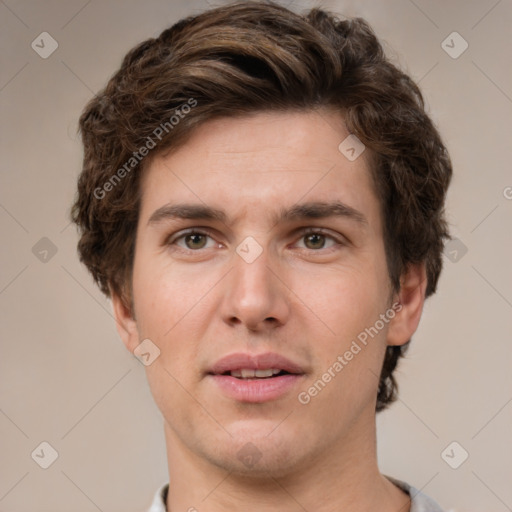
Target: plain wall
x=67, y=379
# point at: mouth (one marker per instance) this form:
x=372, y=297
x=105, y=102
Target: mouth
x=255, y=378
x=251, y=374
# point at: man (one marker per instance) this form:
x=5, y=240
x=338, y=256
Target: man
x=262, y=198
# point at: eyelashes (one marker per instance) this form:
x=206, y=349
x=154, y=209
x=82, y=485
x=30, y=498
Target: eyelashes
x=200, y=239
x=173, y=239
x=311, y=232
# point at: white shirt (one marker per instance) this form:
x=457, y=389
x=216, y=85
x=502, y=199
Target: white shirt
x=419, y=501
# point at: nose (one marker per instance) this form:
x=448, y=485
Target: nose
x=255, y=295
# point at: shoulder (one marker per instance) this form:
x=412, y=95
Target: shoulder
x=419, y=502
x=159, y=500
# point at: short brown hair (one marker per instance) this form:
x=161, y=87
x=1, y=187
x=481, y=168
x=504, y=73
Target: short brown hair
x=249, y=57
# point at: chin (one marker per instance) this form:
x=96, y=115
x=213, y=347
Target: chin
x=270, y=465
x=253, y=452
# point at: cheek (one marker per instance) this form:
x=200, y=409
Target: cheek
x=349, y=355
x=342, y=299
x=165, y=294
x=173, y=309
x=346, y=302
x=167, y=308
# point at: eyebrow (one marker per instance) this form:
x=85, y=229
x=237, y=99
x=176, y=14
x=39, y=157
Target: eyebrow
x=186, y=211
x=310, y=210
x=320, y=209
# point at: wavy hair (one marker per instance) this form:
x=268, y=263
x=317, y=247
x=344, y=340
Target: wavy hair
x=258, y=56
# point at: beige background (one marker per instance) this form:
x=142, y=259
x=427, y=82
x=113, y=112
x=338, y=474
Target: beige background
x=65, y=376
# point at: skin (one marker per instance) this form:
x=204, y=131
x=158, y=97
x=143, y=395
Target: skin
x=304, y=297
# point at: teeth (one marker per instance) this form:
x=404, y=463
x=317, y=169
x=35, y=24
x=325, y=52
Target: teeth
x=247, y=373
x=264, y=373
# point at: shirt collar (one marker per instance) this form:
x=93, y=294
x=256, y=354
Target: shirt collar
x=419, y=501
x=160, y=500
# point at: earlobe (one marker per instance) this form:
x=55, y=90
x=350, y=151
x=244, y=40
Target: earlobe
x=125, y=322
x=410, y=297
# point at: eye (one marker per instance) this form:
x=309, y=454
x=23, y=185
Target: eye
x=316, y=240
x=193, y=240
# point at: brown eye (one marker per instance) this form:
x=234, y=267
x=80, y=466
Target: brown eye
x=195, y=241
x=314, y=241
x=192, y=240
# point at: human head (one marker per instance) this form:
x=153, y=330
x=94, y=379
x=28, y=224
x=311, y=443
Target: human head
x=256, y=57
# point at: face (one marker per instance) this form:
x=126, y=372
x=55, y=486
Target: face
x=259, y=248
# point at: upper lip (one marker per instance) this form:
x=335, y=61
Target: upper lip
x=264, y=361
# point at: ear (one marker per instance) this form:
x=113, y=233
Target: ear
x=125, y=322
x=408, y=305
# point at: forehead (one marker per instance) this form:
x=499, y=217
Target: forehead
x=263, y=160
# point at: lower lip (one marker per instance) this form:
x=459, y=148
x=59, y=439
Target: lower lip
x=257, y=390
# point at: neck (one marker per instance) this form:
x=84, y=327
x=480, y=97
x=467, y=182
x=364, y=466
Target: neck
x=344, y=477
